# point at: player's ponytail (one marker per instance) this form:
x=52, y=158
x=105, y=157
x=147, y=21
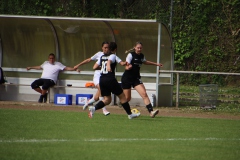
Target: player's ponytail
x=130, y=50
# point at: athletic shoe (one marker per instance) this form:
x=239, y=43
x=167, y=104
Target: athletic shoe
x=85, y=106
x=91, y=112
x=40, y=100
x=133, y=115
x=45, y=97
x=154, y=113
x=105, y=112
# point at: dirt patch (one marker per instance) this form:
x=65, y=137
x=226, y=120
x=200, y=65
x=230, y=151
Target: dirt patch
x=164, y=112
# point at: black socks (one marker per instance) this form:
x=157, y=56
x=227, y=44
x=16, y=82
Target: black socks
x=99, y=105
x=149, y=107
x=127, y=108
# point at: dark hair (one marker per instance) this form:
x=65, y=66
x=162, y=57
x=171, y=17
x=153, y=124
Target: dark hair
x=51, y=54
x=104, y=43
x=112, y=46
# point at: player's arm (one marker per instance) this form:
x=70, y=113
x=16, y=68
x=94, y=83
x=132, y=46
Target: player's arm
x=34, y=67
x=111, y=59
x=96, y=66
x=120, y=61
x=128, y=62
x=109, y=65
x=82, y=63
x=70, y=69
x=152, y=63
x=123, y=63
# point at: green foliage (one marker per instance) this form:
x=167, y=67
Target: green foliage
x=205, y=32
x=205, y=37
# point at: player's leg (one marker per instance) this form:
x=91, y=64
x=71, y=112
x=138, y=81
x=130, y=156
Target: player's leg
x=105, y=111
x=126, y=85
x=142, y=92
x=117, y=90
x=47, y=84
x=36, y=86
x=127, y=93
x=97, y=94
x=106, y=92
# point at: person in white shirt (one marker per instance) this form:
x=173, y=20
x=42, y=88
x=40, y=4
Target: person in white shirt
x=97, y=75
x=51, y=69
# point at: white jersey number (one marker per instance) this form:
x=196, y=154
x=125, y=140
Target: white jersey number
x=104, y=67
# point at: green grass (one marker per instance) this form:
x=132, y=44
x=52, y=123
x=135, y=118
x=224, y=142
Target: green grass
x=56, y=135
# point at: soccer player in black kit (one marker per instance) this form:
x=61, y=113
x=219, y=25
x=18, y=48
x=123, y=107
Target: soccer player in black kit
x=131, y=76
x=109, y=84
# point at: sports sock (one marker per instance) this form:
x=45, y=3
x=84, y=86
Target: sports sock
x=127, y=108
x=149, y=107
x=91, y=101
x=99, y=105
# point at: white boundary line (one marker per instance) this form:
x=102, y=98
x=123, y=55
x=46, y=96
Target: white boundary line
x=33, y=140
x=118, y=140
x=164, y=139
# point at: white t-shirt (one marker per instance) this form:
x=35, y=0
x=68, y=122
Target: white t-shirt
x=50, y=71
x=95, y=57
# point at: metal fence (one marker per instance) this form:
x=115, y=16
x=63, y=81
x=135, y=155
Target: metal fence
x=196, y=99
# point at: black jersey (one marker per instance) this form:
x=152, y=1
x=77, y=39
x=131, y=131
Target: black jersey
x=103, y=63
x=136, y=62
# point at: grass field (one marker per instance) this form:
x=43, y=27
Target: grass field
x=56, y=135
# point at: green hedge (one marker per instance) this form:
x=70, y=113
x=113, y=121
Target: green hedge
x=205, y=32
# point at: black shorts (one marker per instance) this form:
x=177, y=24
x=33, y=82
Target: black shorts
x=128, y=82
x=45, y=83
x=109, y=85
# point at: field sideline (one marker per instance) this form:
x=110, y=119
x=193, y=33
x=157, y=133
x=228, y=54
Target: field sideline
x=164, y=112
x=55, y=132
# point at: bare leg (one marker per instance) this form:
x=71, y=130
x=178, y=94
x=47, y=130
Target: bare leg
x=126, y=106
x=142, y=92
x=127, y=93
x=97, y=94
x=39, y=90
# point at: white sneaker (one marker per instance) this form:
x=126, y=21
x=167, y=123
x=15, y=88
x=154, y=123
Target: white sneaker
x=91, y=112
x=105, y=112
x=133, y=115
x=85, y=106
x=154, y=113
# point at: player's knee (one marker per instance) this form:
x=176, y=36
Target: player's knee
x=107, y=101
x=34, y=85
x=128, y=99
x=45, y=87
x=144, y=95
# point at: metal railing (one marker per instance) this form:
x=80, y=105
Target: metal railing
x=192, y=72
x=163, y=73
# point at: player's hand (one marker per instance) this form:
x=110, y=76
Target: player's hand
x=75, y=67
x=128, y=67
x=160, y=65
x=28, y=68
